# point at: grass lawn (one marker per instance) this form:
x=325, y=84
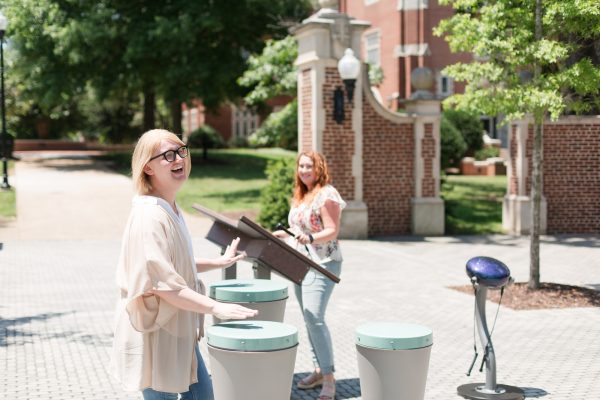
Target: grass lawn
x=8, y=208
x=473, y=204
x=230, y=180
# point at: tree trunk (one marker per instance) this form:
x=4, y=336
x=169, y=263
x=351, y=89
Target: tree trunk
x=536, y=178
x=149, y=109
x=536, y=195
x=176, y=114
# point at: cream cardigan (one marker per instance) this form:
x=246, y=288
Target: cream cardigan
x=154, y=342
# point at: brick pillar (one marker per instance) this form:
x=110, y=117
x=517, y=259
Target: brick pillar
x=427, y=207
x=517, y=204
x=322, y=39
x=384, y=164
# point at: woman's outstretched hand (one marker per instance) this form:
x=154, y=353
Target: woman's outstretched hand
x=232, y=311
x=231, y=256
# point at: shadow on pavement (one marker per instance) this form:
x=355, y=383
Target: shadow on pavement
x=9, y=330
x=534, y=392
x=7, y=326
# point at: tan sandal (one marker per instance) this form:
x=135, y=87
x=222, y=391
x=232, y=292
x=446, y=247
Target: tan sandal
x=327, y=391
x=311, y=381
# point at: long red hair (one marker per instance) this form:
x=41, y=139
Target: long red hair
x=321, y=175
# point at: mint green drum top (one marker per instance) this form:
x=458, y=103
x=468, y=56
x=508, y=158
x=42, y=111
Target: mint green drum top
x=393, y=336
x=252, y=336
x=248, y=290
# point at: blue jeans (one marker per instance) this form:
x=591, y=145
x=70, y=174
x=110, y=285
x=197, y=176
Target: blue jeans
x=313, y=296
x=201, y=390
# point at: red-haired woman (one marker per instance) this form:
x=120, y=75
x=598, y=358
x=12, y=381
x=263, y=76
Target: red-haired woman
x=315, y=220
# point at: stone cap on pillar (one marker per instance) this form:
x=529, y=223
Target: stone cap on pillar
x=422, y=80
x=343, y=32
x=422, y=101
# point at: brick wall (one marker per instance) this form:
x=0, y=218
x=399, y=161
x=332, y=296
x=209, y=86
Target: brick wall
x=388, y=158
x=428, y=153
x=338, y=139
x=571, y=177
x=513, y=187
x=388, y=164
x=306, y=108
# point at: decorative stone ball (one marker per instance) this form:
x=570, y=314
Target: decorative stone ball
x=421, y=78
x=488, y=271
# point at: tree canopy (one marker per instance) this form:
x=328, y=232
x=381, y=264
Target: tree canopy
x=175, y=50
x=501, y=35
x=537, y=58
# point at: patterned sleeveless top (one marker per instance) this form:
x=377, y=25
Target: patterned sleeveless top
x=306, y=218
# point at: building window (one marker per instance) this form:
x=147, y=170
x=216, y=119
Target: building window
x=445, y=85
x=245, y=122
x=413, y=4
x=372, y=49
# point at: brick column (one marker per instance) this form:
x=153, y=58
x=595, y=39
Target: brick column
x=517, y=205
x=427, y=207
x=322, y=39
x=385, y=164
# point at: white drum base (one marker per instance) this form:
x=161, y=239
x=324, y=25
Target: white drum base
x=392, y=374
x=264, y=375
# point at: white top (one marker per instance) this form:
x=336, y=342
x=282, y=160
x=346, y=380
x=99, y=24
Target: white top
x=175, y=214
x=154, y=341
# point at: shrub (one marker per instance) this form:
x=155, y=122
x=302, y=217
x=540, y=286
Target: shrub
x=487, y=152
x=470, y=126
x=280, y=129
x=205, y=137
x=238, y=142
x=275, y=198
x=453, y=145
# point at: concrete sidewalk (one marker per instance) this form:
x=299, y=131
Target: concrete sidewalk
x=56, y=303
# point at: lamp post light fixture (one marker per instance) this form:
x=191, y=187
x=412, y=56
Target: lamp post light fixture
x=349, y=69
x=3, y=25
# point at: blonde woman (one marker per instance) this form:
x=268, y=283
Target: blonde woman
x=314, y=218
x=160, y=313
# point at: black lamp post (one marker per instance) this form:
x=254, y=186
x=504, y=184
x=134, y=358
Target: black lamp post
x=349, y=69
x=3, y=25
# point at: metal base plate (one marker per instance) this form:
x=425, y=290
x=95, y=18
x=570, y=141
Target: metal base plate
x=506, y=392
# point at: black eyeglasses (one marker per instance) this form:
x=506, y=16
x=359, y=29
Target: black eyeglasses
x=171, y=155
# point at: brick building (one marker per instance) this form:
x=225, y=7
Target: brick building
x=401, y=39
x=233, y=121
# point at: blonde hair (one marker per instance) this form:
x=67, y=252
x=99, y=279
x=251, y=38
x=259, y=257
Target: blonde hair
x=321, y=175
x=144, y=150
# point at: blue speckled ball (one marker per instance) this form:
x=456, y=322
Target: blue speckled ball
x=488, y=271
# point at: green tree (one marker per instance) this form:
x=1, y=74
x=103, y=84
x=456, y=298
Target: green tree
x=469, y=125
x=272, y=73
x=206, y=137
x=453, y=145
x=280, y=129
x=173, y=50
x=514, y=39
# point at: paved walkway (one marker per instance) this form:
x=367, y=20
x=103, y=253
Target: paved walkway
x=56, y=303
